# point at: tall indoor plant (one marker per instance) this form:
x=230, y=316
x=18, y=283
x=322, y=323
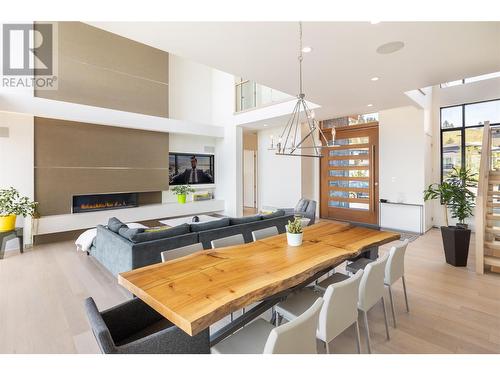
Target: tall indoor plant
x=12, y=204
x=456, y=196
x=182, y=191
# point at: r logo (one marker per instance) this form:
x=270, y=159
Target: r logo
x=27, y=49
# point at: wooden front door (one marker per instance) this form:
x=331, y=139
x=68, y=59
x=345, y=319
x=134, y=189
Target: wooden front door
x=349, y=175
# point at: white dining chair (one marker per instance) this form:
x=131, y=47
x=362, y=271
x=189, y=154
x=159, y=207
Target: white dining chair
x=371, y=291
x=180, y=252
x=339, y=311
x=237, y=239
x=264, y=233
x=395, y=270
x=261, y=337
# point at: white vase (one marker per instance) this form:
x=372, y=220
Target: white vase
x=294, y=239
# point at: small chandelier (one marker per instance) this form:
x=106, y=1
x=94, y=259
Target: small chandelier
x=289, y=142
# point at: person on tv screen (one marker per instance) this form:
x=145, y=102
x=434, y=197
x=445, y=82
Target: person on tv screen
x=193, y=175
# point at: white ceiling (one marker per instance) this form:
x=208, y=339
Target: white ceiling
x=337, y=72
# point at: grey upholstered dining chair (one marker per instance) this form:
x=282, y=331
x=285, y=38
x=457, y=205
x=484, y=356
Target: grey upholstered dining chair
x=305, y=208
x=135, y=328
x=264, y=233
x=180, y=252
x=237, y=239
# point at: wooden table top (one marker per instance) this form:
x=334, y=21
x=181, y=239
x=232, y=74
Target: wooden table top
x=198, y=290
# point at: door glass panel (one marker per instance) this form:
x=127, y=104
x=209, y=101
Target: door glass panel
x=349, y=173
x=451, y=117
x=349, y=152
x=351, y=141
x=348, y=184
x=347, y=163
x=349, y=194
x=351, y=205
x=452, y=151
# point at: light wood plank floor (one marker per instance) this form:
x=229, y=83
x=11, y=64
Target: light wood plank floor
x=453, y=310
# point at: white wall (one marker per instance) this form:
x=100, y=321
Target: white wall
x=230, y=162
x=404, y=162
x=17, y=154
x=190, y=90
x=17, y=160
x=401, y=156
x=279, y=177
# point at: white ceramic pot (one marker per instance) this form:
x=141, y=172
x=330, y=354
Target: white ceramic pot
x=294, y=239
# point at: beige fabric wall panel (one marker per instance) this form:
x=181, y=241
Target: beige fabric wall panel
x=102, y=69
x=60, y=143
x=74, y=158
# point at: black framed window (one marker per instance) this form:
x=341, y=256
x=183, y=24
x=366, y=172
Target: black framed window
x=462, y=135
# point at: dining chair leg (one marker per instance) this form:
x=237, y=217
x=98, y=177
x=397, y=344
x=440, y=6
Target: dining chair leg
x=358, y=341
x=277, y=319
x=385, y=319
x=406, y=296
x=327, y=346
x=365, y=315
x=392, y=306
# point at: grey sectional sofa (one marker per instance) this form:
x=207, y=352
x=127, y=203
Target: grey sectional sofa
x=120, y=249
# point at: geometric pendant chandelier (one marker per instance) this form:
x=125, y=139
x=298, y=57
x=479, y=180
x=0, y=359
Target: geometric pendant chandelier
x=290, y=142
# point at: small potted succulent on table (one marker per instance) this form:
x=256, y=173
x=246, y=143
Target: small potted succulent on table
x=182, y=191
x=12, y=204
x=294, y=232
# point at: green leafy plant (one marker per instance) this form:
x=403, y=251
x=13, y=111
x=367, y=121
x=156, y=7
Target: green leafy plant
x=455, y=193
x=12, y=203
x=183, y=189
x=294, y=226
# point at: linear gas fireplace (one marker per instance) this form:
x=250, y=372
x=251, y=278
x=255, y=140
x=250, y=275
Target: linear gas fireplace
x=100, y=202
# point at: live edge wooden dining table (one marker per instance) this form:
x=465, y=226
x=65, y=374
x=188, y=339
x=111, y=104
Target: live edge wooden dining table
x=197, y=290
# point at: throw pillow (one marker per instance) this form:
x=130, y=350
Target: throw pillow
x=130, y=234
x=115, y=225
x=156, y=229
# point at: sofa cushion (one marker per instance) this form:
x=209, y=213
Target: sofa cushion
x=275, y=214
x=130, y=233
x=208, y=225
x=146, y=236
x=115, y=224
x=244, y=219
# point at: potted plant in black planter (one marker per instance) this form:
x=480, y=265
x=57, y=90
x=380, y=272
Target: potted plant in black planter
x=456, y=195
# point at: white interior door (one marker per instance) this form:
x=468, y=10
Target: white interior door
x=249, y=178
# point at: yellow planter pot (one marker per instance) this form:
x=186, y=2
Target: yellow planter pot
x=7, y=223
x=181, y=198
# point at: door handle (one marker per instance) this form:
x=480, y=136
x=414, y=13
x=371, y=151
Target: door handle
x=374, y=183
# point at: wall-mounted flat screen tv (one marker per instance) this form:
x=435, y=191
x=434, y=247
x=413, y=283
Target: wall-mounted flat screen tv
x=190, y=169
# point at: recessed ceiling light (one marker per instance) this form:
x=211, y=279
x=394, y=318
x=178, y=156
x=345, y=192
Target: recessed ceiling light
x=307, y=49
x=370, y=105
x=374, y=22
x=265, y=125
x=390, y=47
x=374, y=78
